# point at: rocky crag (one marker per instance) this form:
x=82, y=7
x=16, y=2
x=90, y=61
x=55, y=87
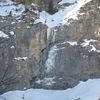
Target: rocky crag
x=39, y=56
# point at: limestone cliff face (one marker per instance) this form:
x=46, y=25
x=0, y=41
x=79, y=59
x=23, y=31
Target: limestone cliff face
x=41, y=52
x=22, y=51
x=30, y=40
x=67, y=58
x=7, y=67
x=87, y=25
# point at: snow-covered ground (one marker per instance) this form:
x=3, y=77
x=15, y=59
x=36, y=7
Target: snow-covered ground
x=63, y=15
x=89, y=90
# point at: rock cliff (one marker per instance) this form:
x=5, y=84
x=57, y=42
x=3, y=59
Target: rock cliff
x=56, y=57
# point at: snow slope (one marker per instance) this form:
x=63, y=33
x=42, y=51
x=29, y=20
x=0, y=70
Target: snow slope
x=5, y=2
x=60, y=18
x=8, y=7
x=63, y=15
x=89, y=90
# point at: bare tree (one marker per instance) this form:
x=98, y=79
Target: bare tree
x=6, y=80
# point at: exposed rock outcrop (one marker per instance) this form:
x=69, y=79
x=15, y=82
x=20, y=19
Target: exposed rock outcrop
x=61, y=53
x=74, y=63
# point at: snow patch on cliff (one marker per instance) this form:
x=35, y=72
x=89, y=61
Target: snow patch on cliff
x=48, y=81
x=21, y=58
x=67, y=1
x=50, y=62
x=12, y=47
x=88, y=43
x=72, y=43
x=51, y=58
x=3, y=35
x=99, y=7
x=12, y=33
x=51, y=34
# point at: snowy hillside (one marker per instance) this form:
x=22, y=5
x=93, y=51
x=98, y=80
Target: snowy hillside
x=32, y=45
x=60, y=18
x=10, y=8
x=63, y=15
x=89, y=90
